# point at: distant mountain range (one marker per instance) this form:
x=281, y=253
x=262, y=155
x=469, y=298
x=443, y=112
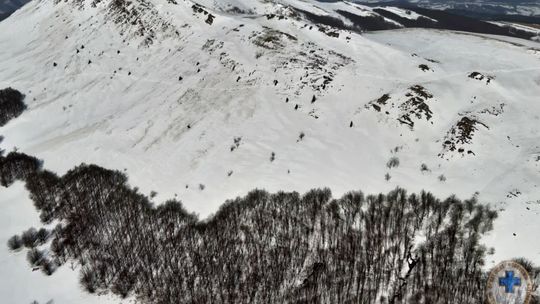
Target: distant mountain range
x=7, y=7
x=500, y=10
x=507, y=10
x=377, y=15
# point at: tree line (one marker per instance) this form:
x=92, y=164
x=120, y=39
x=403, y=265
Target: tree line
x=260, y=248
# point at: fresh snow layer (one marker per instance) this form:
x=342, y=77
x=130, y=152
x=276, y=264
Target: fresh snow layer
x=18, y=283
x=119, y=103
x=404, y=13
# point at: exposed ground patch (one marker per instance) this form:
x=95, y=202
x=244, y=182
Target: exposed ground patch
x=408, y=109
x=481, y=77
x=461, y=135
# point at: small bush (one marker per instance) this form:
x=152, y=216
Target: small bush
x=393, y=162
x=15, y=243
x=236, y=143
x=42, y=236
x=30, y=238
x=424, y=168
x=11, y=105
x=47, y=267
x=123, y=284
x=387, y=176
x=272, y=156
x=424, y=67
x=89, y=280
x=35, y=257
x=442, y=178
x=202, y=187
x=527, y=264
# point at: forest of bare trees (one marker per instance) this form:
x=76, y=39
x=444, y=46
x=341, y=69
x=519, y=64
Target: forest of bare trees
x=261, y=248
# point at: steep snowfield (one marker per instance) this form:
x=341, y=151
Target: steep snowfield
x=115, y=98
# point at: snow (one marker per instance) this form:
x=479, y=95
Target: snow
x=404, y=13
x=22, y=285
x=518, y=26
x=129, y=111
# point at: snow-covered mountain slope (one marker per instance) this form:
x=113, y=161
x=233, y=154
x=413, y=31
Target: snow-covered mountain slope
x=204, y=102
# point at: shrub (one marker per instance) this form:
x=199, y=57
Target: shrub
x=442, y=178
x=424, y=67
x=35, y=257
x=47, y=267
x=393, y=162
x=123, y=284
x=89, y=280
x=11, y=105
x=424, y=168
x=527, y=264
x=236, y=143
x=15, y=243
x=272, y=156
x=30, y=238
x=42, y=236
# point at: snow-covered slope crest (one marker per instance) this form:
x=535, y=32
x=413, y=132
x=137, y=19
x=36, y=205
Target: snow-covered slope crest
x=141, y=19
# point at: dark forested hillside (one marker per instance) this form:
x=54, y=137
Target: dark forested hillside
x=445, y=20
x=261, y=248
